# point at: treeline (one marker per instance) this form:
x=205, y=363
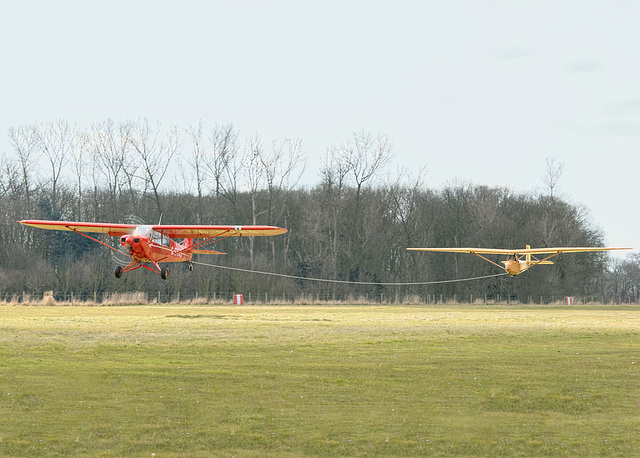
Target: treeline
x=353, y=226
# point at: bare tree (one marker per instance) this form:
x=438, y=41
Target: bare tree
x=255, y=171
x=197, y=163
x=224, y=149
x=362, y=156
x=155, y=154
x=283, y=168
x=404, y=199
x=552, y=172
x=24, y=140
x=56, y=141
x=110, y=146
x=255, y=175
x=334, y=171
x=215, y=159
x=366, y=155
x=79, y=152
x=10, y=179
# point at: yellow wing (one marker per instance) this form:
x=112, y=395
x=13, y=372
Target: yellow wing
x=512, y=252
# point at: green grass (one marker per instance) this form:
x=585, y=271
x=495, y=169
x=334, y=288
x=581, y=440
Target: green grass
x=319, y=380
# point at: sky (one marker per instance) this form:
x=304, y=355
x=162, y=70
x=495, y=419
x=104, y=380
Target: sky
x=467, y=91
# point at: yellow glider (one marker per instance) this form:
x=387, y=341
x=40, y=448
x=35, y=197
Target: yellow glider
x=519, y=260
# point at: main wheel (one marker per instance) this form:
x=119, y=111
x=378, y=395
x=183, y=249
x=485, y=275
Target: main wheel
x=118, y=271
x=164, y=272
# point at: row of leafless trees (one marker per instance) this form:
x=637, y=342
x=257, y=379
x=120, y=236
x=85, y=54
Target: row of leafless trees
x=353, y=226
x=138, y=157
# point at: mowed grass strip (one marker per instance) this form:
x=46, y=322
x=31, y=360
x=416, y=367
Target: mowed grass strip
x=319, y=380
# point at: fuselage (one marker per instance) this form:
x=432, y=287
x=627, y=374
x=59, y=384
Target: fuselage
x=514, y=267
x=147, y=245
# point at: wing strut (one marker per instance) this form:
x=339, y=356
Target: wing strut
x=488, y=260
x=96, y=240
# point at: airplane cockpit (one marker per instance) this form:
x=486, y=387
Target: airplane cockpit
x=155, y=237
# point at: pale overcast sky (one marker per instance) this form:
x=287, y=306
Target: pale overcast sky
x=478, y=91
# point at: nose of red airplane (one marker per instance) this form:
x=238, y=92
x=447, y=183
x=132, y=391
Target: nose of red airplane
x=126, y=240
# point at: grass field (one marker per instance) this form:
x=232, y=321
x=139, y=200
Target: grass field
x=319, y=380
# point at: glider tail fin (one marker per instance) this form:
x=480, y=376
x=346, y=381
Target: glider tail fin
x=534, y=261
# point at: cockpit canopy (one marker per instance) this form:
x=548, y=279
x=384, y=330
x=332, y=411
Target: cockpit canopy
x=155, y=237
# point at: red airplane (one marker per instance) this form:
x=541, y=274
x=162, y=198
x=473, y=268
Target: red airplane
x=148, y=246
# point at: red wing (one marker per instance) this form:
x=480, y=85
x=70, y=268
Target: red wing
x=205, y=232
x=173, y=231
x=103, y=228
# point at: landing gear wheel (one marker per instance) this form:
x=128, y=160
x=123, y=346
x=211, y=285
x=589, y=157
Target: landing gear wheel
x=118, y=271
x=164, y=272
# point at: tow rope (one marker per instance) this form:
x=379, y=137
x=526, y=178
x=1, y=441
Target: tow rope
x=349, y=282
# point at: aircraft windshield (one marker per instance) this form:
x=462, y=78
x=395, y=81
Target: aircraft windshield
x=156, y=237
x=145, y=231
